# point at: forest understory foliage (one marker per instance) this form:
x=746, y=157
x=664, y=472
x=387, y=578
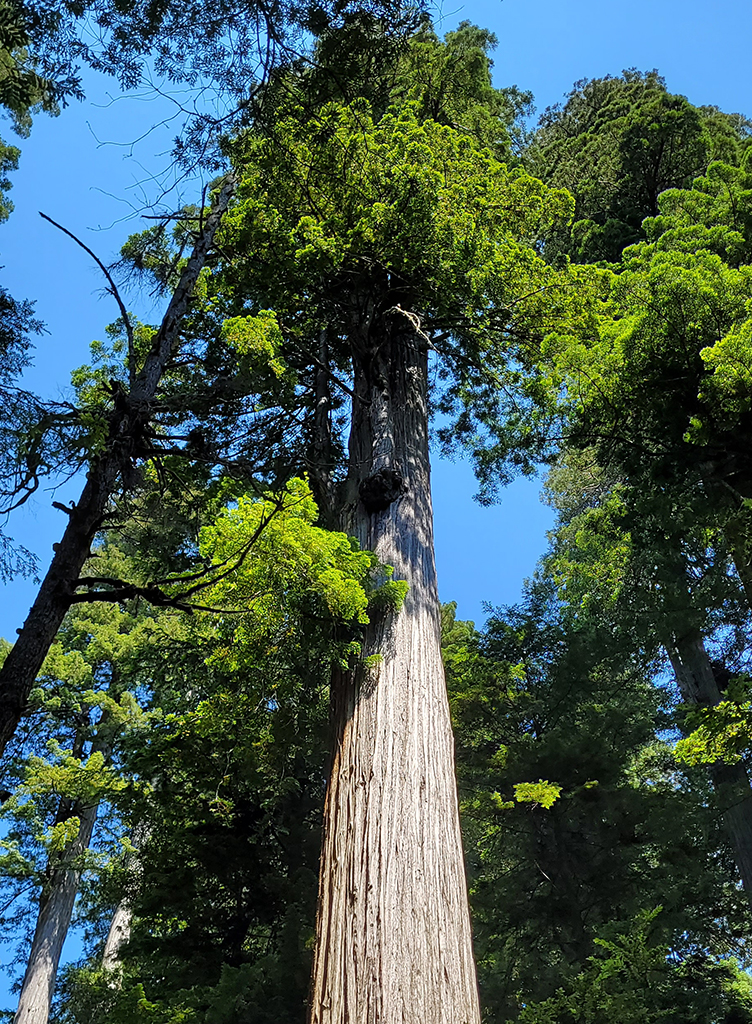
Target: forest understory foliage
x=240, y=732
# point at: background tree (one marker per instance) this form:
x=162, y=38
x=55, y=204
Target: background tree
x=617, y=144
x=557, y=691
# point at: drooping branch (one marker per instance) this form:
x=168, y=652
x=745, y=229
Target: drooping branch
x=119, y=590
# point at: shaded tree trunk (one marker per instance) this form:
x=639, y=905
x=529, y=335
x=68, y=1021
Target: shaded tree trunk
x=698, y=685
x=126, y=428
x=393, y=929
x=56, y=902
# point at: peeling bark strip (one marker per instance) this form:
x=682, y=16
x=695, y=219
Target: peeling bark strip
x=697, y=684
x=128, y=420
x=393, y=930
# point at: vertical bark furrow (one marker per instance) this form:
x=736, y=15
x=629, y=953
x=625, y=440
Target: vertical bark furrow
x=393, y=942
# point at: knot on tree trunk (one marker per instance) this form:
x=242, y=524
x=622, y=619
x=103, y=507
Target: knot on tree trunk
x=380, y=489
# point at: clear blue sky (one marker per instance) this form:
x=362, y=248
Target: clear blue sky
x=82, y=170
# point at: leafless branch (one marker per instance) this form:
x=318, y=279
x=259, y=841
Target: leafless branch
x=112, y=290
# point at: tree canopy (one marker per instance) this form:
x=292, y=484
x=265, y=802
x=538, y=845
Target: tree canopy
x=236, y=677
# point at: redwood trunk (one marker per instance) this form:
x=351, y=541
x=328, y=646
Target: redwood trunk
x=697, y=683
x=393, y=931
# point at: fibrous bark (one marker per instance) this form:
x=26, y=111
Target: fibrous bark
x=130, y=416
x=393, y=928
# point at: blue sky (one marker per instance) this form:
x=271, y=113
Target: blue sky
x=85, y=170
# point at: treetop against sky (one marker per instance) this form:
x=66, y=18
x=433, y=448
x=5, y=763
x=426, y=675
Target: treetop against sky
x=106, y=162
x=99, y=166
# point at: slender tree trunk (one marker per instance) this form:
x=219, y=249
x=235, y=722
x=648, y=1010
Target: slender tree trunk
x=53, y=921
x=128, y=421
x=697, y=683
x=58, y=897
x=117, y=936
x=736, y=532
x=393, y=929
x=321, y=441
x=122, y=918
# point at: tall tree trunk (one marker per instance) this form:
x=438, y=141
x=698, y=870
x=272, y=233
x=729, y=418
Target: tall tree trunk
x=129, y=419
x=53, y=921
x=117, y=936
x=393, y=930
x=697, y=683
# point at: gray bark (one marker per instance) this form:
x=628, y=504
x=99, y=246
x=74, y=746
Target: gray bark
x=393, y=929
x=129, y=418
x=697, y=683
x=53, y=921
x=117, y=936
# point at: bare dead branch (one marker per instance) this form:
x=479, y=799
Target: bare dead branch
x=112, y=290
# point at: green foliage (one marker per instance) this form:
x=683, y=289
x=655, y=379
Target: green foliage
x=552, y=690
x=281, y=563
x=388, y=596
x=714, y=214
x=544, y=793
x=256, y=338
x=722, y=732
x=617, y=144
x=406, y=195
x=631, y=979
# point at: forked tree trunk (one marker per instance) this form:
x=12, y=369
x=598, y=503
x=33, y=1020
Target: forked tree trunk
x=697, y=683
x=393, y=931
x=53, y=921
